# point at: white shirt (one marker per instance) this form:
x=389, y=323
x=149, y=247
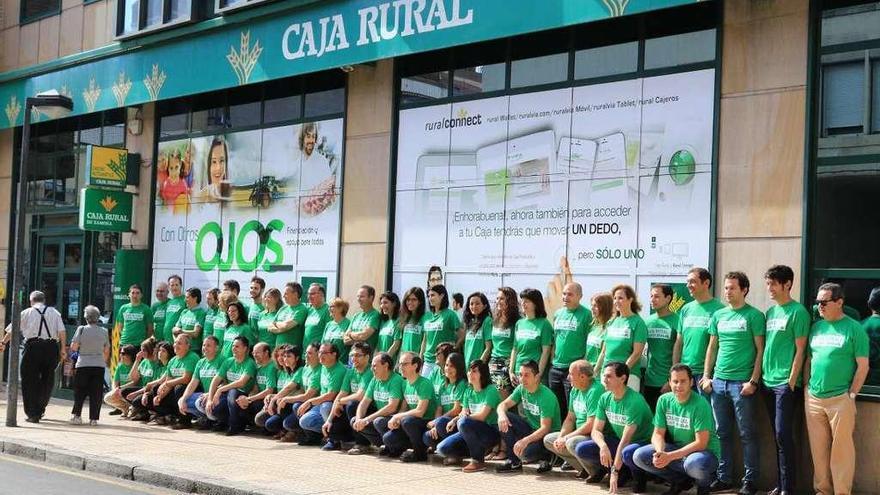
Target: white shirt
x=30, y=322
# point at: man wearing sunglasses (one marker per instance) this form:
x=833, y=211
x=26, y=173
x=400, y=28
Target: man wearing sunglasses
x=835, y=370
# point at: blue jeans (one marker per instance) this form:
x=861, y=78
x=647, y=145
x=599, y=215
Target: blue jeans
x=239, y=417
x=729, y=404
x=374, y=431
x=291, y=422
x=474, y=437
x=191, y=407
x=697, y=388
x=314, y=418
x=407, y=435
x=699, y=466
x=781, y=403
x=350, y=415
x=220, y=413
x=275, y=423
x=588, y=453
x=519, y=429
x=440, y=425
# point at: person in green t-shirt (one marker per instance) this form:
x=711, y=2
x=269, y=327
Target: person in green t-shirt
x=440, y=324
x=318, y=315
x=412, y=311
x=571, y=324
x=158, y=309
x=621, y=425
x=476, y=423
x=288, y=325
x=406, y=428
x=237, y=375
x=221, y=320
x=382, y=399
x=255, y=290
x=364, y=325
x=337, y=327
x=244, y=405
x=736, y=337
x=578, y=423
x=313, y=412
x=289, y=383
x=136, y=317
x=197, y=389
x=694, y=318
x=212, y=311
x=390, y=333
x=267, y=317
x=121, y=384
x=602, y=309
x=449, y=398
x=533, y=335
x=176, y=305
x=147, y=373
x=626, y=334
x=835, y=370
x=236, y=326
x=871, y=325
x=177, y=375
x=504, y=320
x=477, y=322
x=788, y=326
x=191, y=321
x=686, y=418
x=662, y=329
x=311, y=380
x=524, y=435
x=337, y=425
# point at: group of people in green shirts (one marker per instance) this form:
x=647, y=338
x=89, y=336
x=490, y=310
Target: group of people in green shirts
x=502, y=382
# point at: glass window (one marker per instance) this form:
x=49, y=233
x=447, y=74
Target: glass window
x=875, y=96
x=154, y=13
x=325, y=102
x=424, y=87
x=131, y=15
x=180, y=9
x=479, y=79
x=844, y=228
x=606, y=60
x=245, y=114
x=33, y=9
x=680, y=49
x=134, y=16
x=843, y=98
x=539, y=70
x=282, y=109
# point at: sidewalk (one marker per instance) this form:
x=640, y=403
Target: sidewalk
x=211, y=463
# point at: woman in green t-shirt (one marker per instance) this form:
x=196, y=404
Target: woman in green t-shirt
x=450, y=395
x=142, y=399
x=121, y=385
x=237, y=326
x=503, y=332
x=477, y=328
x=389, y=332
x=410, y=321
x=602, y=308
x=626, y=334
x=289, y=382
x=534, y=335
x=440, y=325
x=271, y=305
x=334, y=330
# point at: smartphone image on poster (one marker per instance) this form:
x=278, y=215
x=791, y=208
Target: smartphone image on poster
x=576, y=155
x=528, y=162
x=609, y=170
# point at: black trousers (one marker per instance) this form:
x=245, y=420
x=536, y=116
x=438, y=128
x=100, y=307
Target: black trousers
x=561, y=387
x=88, y=382
x=38, y=375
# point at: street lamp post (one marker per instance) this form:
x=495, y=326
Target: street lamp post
x=54, y=105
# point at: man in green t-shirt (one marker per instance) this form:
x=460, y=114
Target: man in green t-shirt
x=158, y=309
x=524, y=435
x=835, y=370
x=578, y=423
x=137, y=319
x=381, y=400
x=236, y=375
x=686, y=418
x=736, y=337
x=175, y=306
x=289, y=321
x=788, y=325
x=337, y=426
x=244, y=406
x=622, y=425
x=312, y=413
x=662, y=331
x=364, y=326
x=318, y=314
x=871, y=325
x=196, y=391
x=258, y=285
x=191, y=321
x=177, y=376
x=692, y=339
x=405, y=429
x=571, y=324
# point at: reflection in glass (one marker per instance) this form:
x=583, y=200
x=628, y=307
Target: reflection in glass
x=680, y=49
x=282, y=109
x=50, y=255
x=606, y=60
x=49, y=287
x=106, y=245
x=325, y=102
x=479, y=79
x=539, y=70
x=154, y=12
x=130, y=21
x=72, y=256
x=424, y=87
x=180, y=9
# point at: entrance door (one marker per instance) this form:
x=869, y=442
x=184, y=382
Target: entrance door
x=59, y=276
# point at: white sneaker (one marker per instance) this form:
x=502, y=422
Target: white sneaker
x=76, y=420
x=93, y=422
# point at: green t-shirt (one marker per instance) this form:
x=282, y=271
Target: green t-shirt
x=264, y=319
x=694, y=318
x=595, y=339
x=532, y=335
x=570, y=329
x=683, y=421
x=311, y=377
x=332, y=378
x=221, y=321
x=736, y=330
x=582, y=403
x=206, y=370
x=437, y=378
x=621, y=336
x=411, y=337
x=389, y=332
x=355, y=381
x=475, y=401
x=210, y=319
x=121, y=373
x=439, y=327
x=871, y=325
x=285, y=378
x=187, y=322
x=631, y=409
x=834, y=347
x=178, y=367
x=383, y=392
x=662, y=332
x=785, y=324
x=135, y=319
x=421, y=389
x=333, y=333
x=148, y=371
x=296, y=313
x=173, y=308
x=255, y=310
x=267, y=376
x=229, y=337
x=231, y=370
x=535, y=406
x=450, y=393
x=313, y=328
x=502, y=342
x=158, y=311
x=475, y=341
x=364, y=320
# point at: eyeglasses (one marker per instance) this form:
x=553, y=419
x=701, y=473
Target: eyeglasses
x=357, y=354
x=404, y=362
x=824, y=302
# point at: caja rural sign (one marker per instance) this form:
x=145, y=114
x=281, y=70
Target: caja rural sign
x=103, y=210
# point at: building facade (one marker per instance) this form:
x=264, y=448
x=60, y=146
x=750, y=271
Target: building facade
x=364, y=141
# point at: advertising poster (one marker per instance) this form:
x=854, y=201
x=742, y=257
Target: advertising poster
x=610, y=181
x=264, y=202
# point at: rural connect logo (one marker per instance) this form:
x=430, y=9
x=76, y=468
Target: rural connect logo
x=108, y=203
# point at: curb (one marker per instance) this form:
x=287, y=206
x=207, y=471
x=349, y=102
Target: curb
x=164, y=478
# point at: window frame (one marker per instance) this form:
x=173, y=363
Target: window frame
x=24, y=19
x=166, y=23
x=235, y=8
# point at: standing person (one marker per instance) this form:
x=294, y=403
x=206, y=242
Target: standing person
x=313, y=412
x=440, y=325
x=477, y=323
x=835, y=370
x=233, y=286
x=93, y=345
x=524, y=435
x=121, y=384
x=192, y=319
x=435, y=277
x=602, y=309
x=158, y=309
x=221, y=320
x=406, y=428
x=458, y=304
x=694, y=317
x=212, y=312
x=504, y=321
x=871, y=325
x=288, y=325
x=364, y=325
x=173, y=308
x=267, y=317
x=390, y=333
x=788, y=326
x=622, y=425
x=255, y=290
x=236, y=326
x=578, y=423
x=336, y=329
x=692, y=455
x=137, y=318
x=381, y=400
x=410, y=321
x=533, y=335
x=662, y=334
x=571, y=324
x=317, y=317
x=45, y=345
x=736, y=337
x=626, y=334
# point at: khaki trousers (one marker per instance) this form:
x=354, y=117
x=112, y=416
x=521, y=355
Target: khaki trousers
x=830, y=424
x=566, y=453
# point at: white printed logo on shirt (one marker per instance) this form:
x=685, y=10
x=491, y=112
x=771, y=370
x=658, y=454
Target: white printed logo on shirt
x=501, y=332
x=129, y=316
x=676, y=421
x=696, y=322
x=828, y=340
x=732, y=326
x=664, y=333
x=617, y=418
x=565, y=325
x=620, y=332
x=413, y=329
x=777, y=324
x=531, y=408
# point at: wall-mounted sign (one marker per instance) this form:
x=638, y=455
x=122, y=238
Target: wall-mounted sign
x=105, y=210
x=105, y=167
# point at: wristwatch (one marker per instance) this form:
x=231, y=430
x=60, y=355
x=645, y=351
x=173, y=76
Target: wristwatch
x=852, y=395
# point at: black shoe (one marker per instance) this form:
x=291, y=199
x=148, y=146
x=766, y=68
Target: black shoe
x=233, y=432
x=566, y=467
x=218, y=427
x=678, y=487
x=203, y=423
x=623, y=477
x=641, y=482
x=582, y=475
x=115, y=412
x=720, y=486
x=703, y=490
x=544, y=466
x=32, y=420
x=413, y=457
x=509, y=467
x=598, y=476
x=747, y=488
